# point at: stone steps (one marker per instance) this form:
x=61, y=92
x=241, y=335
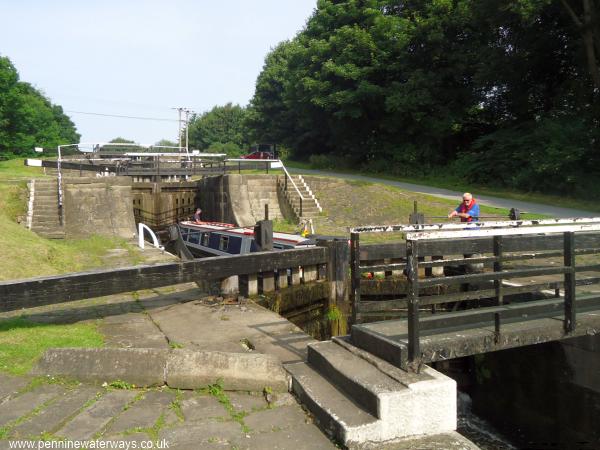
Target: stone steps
x=355, y=376
x=45, y=220
x=337, y=414
x=49, y=233
x=309, y=204
x=360, y=398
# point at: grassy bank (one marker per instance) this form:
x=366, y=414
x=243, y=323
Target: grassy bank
x=29, y=255
x=446, y=181
x=352, y=203
x=22, y=341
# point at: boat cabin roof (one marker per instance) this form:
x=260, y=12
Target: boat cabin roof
x=230, y=229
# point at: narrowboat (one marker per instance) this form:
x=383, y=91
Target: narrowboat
x=223, y=239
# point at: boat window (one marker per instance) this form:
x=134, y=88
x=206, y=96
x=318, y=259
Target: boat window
x=184, y=233
x=205, y=239
x=194, y=237
x=224, y=243
x=235, y=245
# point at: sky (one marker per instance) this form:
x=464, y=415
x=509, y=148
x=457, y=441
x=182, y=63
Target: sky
x=141, y=58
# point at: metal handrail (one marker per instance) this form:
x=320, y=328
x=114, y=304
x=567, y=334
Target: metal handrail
x=287, y=174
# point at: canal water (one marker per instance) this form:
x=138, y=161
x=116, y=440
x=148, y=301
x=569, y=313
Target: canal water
x=478, y=430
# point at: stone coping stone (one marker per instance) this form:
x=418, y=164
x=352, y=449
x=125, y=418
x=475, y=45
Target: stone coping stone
x=177, y=368
x=188, y=369
x=139, y=366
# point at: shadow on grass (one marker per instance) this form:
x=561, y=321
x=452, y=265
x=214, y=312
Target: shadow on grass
x=91, y=309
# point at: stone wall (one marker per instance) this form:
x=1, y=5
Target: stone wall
x=98, y=206
x=228, y=198
x=166, y=200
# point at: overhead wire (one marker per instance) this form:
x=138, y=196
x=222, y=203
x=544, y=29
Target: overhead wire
x=123, y=117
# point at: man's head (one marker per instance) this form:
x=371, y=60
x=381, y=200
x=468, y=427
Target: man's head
x=198, y=210
x=467, y=197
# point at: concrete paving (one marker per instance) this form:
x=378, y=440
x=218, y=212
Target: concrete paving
x=176, y=317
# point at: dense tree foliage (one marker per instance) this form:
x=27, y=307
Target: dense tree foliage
x=166, y=143
x=27, y=118
x=494, y=91
x=220, y=130
x=120, y=148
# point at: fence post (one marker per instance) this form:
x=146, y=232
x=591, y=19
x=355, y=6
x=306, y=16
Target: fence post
x=263, y=236
x=338, y=260
x=412, y=266
x=355, y=275
x=569, y=263
x=498, y=268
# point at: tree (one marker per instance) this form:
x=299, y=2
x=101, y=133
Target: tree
x=27, y=118
x=167, y=143
x=221, y=125
x=120, y=148
x=489, y=90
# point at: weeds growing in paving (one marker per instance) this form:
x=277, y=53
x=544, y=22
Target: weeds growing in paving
x=175, y=405
x=216, y=390
x=23, y=341
x=36, y=382
x=120, y=384
x=7, y=428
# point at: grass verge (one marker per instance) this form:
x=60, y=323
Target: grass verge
x=23, y=341
x=448, y=182
x=32, y=255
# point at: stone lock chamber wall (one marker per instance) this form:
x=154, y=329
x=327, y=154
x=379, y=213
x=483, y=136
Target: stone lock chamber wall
x=238, y=199
x=98, y=206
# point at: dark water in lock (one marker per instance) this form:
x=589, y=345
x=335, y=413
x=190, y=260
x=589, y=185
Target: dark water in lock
x=478, y=430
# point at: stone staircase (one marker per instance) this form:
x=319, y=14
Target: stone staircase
x=359, y=398
x=310, y=205
x=43, y=214
x=263, y=190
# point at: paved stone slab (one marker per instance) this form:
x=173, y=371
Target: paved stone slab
x=9, y=385
x=21, y=405
x=283, y=399
x=55, y=414
x=201, y=408
x=226, y=326
x=282, y=418
x=143, y=413
x=133, y=437
x=132, y=330
x=135, y=335
x=94, y=418
x=204, y=435
x=302, y=437
x=247, y=401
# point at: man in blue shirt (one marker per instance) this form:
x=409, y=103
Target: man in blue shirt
x=468, y=210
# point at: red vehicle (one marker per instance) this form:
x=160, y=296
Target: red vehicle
x=261, y=151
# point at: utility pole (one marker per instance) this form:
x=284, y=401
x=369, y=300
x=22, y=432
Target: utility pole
x=187, y=122
x=187, y=135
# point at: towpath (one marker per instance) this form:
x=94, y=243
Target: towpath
x=46, y=408
x=536, y=208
